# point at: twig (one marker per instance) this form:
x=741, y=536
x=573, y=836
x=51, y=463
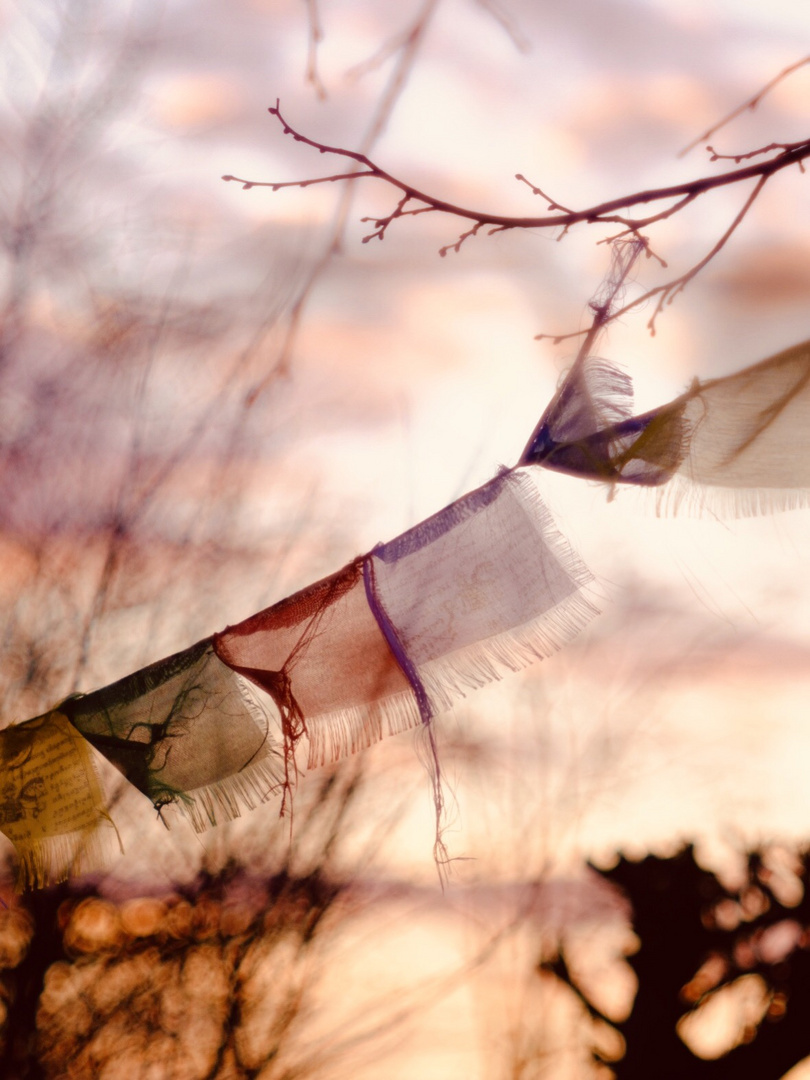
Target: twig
x=747, y=106
x=552, y=203
x=464, y=236
x=602, y=213
x=716, y=156
x=773, y=159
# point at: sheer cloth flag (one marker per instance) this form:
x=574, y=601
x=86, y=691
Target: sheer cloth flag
x=482, y=588
x=738, y=445
x=186, y=731
x=51, y=808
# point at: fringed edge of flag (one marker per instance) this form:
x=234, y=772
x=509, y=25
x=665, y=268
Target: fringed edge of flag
x=256, y=783
x=337, y=734
x=450, y=677
x=690, y=498
x=225, y=799
x=610, y=389
x=49, y=860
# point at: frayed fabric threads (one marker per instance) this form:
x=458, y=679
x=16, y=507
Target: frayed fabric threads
x=324, y=660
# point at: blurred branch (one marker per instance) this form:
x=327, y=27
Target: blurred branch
x=315, y=38
x=407, y=44
x=508, y=23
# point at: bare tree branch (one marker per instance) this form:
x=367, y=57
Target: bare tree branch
x=772, y=159
x=785, y=154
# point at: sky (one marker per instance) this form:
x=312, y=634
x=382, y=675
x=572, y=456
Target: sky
x=679, y=714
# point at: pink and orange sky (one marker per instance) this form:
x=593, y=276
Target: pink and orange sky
x=681, y=713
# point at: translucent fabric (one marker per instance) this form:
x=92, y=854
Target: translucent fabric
x=736, y=445
x=186, y=731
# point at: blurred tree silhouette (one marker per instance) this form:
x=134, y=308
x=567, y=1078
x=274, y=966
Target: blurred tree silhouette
x=218, y=978
x=119, y=364
x=701, y=942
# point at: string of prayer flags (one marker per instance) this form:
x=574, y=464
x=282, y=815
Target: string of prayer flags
x=482, y=588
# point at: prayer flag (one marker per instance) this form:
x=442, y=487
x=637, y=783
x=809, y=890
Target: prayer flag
x=51, y=808
x=738, y=445
x=186, y=731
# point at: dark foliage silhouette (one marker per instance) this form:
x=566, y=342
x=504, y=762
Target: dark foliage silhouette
x=699, y=938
